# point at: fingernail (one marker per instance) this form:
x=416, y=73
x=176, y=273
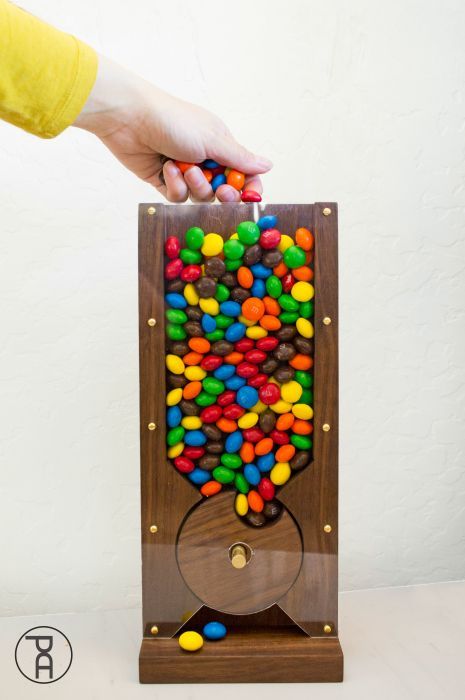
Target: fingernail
x=196, y=176
x=172, y=168
x=264, y=163
x=226, y=194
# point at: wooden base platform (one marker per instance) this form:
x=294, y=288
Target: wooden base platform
x=244, y=656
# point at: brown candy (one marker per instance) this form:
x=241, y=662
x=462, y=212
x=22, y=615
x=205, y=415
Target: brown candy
x=177, y=381
x=179, y=347
x=303, y=345
x=216, y=448
x=284, y=352
x=240, y=294
x=267, y=421
x=193, y=313
x=270, y=365
x=209, y=462
x=255, y=519
x=212, y=432
x=272, y=509
x=176, y=285
x=286, y=332
x=252, y=255
x=272, y=258
x=205, y=287
x=222, y=348
x=193, y=328
x=284, y=374
x=300, y=460
x=215, y=267
x=229, y=279
x=189, y=408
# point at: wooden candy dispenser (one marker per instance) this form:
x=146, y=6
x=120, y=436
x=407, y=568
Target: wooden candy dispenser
x=230, y=532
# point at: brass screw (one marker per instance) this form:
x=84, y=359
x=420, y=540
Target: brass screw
x=153, y=529
x=326, y=211
x=154, y=630
x=326, y=427
x=327, y=321
x=152, y=322
x=327, y=528
x=152, y=426
x=327, y=629
x=151, y=211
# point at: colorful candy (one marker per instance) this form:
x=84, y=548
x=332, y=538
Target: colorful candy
x=218, y=175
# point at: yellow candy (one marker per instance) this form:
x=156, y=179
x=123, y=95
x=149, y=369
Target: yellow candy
x=285, y=242
x=173, y=397
x=259, y=407
x=212, y=244
x=281, y=406
x=174, y=364
x=302, y=411
x=190, y=295
x=248, y=420
x=291, y=391
x=175, y=450
x=272, y=380
x=302, y=291
x=191, y=423
x=241, y=504
x=234, y=236
x=191, y=641
x=209, y=306
x=280, y=473
x=304, y=327
x=256, y=332
x=246, y=321
x=194, y=373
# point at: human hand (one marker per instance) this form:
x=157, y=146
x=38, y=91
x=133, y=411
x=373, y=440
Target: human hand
x=143, y=125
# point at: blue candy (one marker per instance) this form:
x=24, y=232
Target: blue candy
x=214, y=631
x=210, y=164
x=224, y=372
x=217, y=181
x=173, y=416
x=269, y=221
x=266, y=462
x=260, y=271
x=252, y=474
x=195, y=438
x=233, y=442
x=235, y=332
x=208, y=323
x=247, y=396
x=176, y=301
x=235, y=383
x=199, y=476
x=232, y=308
x=258, y=289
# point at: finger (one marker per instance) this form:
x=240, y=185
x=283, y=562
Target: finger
x=253, y=183
x=176, y=188
x=230, y=153
x=226, y=193
x=199, y=187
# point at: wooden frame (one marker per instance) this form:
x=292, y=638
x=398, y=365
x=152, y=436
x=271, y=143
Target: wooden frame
x=300, y=631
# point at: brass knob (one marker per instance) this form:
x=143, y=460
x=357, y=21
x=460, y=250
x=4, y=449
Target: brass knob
x=238, y=556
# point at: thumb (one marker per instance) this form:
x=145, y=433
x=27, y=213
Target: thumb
x=230, y=153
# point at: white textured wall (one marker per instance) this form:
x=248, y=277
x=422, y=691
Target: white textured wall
x=360, y=102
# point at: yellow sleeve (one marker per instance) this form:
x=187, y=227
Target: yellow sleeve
x=45, y=74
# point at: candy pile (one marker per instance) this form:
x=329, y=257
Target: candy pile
x=193, y=641
x=217, y=175
x=239, y=356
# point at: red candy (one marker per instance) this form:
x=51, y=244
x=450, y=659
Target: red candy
x=279, y=437
x=266, y=489
x=246, y=369
x=210, y=414
x=173, y=269
x=191, y=273
x=244, y=345
x=193, y=452
x=270, y=238
x=226, y=398
x=233, y=411
x=254, y=434
x=250, y=196
x=269, y=393
x=172, y=247
x=288, y=282
x=211, y=362
x=184, y=465
x=259, y=380
x=255, y=356
x=267, y=344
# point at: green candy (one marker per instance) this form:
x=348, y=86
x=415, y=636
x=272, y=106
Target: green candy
x=274, y=286
x=175, y=435
x=232, y=265
x=288, y=316
x=306, y=309
x=301, y=442
x=241, y=483
x=305, y=379
x=215, y=335
x=288, y=303
x=190, y=257
x=248, y=232
x=232, y=461
x=175, y=332
x=222, y=292
x=233, y=249
x=223, y=475
x=223, y=321
x=194, y=238
x=176, y=316
x=212, y=385
x=294, y=256
x=204, y=399
x=307, y=397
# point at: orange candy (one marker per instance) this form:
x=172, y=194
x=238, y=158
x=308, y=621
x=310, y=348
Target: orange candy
x=301, y=427
x=271, y=306
x=245, y=277
x=192, y=359
x=256, y=502
x=264, y=446
x=301, y=361
x=236, y=179
x=201, y=345
x=191, y=390
x=234, y=358
x=304, y=238
x=304, y=273
x=270, y=323
x=211, y=488
x=247, y=452
x=226, y=425
x=280, y=270
x=183, y=167
x=285, y=421
x=253, y=308
x=208, y=174
x=285, y=453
